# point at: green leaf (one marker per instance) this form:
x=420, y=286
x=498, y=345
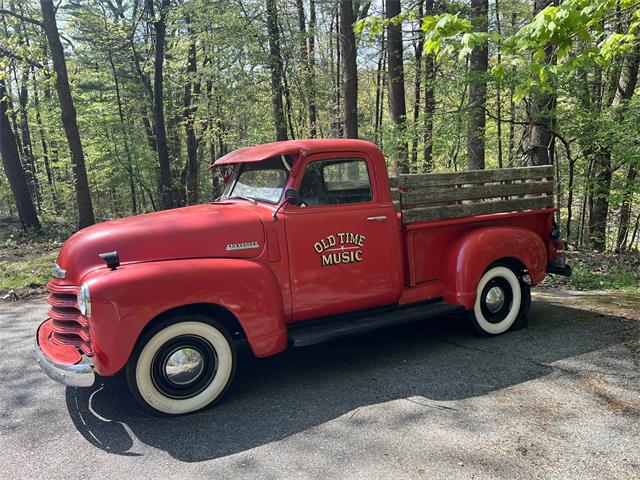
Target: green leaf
x=540, y=55
x=499, y=71
x=543, y=75
x=519, y=93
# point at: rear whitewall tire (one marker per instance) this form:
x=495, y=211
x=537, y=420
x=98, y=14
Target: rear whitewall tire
x=147, y=389
x=480, y=317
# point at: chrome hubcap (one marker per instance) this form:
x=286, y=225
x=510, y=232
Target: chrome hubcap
x=184, y=366
x=495, y=299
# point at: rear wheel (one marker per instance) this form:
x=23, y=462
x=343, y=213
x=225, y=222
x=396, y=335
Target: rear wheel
x=183, y=365
x=502, y=302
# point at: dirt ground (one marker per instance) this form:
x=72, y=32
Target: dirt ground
x=617, y=303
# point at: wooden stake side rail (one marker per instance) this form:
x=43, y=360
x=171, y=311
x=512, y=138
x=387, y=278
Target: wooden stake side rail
x=437, y=196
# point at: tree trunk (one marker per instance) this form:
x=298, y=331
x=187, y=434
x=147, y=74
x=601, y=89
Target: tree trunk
x=165, y=179
x=349, y=69
x=191, y=93
x=587, y=204
x=303, y=67
x=27, y=148
x=307, y=61
x=43, y=140
x=541, y=136
x=478, y=63
x=635, y=232
x=143, y=77
x=380, y=90
x=499, y=89
x=512, y=109
x=311, y=89
x=419, y=47
x=337, y=117
x=429, y=102
x=601, y=190
x=13, y=168
x=570, y=187
x=397, y=103
x=68, y=111
x=512, y=128
x=603, y=169
x=275, y=65
x=125, y=136
x=288, y=104
x=625, y=209
x=542, y=110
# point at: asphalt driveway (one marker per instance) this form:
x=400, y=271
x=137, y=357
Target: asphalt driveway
x=560, y=399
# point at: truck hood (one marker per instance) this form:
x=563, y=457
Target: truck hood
x=214, y=230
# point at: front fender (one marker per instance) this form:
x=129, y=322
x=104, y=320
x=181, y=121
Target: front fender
x=124, y=301
x=468, y=257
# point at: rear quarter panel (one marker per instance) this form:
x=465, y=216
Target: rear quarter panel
x=469, y=256
x=458, y=251
x=427, y=242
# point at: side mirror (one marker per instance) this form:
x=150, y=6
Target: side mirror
x=292, y=197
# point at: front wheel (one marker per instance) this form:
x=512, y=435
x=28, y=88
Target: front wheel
x=502, y=301
x=182, y=365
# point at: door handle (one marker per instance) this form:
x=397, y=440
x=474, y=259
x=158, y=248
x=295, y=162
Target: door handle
x=379, y=218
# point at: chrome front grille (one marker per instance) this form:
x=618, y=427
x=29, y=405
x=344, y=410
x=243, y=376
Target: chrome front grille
x=68, y=326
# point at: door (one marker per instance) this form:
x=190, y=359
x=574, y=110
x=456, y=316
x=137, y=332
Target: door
x=344, y=246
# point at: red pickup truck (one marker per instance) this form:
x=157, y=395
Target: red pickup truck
x=311, y=241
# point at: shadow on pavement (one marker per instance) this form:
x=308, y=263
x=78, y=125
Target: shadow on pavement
x=277, y=397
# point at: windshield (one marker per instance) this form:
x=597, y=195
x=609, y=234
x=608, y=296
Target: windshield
x=262, y=181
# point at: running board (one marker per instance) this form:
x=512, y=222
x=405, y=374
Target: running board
x=320, y=330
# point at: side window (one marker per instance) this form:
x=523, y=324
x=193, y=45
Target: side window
x=336, y=181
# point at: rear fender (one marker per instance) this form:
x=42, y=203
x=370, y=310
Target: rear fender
x=124, y=301
x=468, y=257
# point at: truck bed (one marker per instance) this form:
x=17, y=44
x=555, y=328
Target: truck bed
x=437, y=208
x=426, y=241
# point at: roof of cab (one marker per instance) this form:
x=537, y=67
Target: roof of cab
x=293, y=147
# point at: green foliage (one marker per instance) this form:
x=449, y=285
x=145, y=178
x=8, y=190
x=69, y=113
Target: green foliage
x=585, y=278
x=558, y=28
x=33, y=269
x=26, y=257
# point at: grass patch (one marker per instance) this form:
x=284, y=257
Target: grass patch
x=26, y=258
x=584, y=278
x=600, y=271
x=54, y=231
x=33, y=269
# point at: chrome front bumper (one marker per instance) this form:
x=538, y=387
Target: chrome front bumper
x=78, y=375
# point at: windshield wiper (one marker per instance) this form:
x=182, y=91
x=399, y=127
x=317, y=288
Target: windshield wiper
x=248, y=199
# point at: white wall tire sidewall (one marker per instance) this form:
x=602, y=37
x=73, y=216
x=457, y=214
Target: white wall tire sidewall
x=156, y=399
x=504, y=325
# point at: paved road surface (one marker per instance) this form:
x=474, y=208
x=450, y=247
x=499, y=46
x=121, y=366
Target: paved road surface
x=557, y=400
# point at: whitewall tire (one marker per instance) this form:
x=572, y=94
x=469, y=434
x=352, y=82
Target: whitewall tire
x=498, y=303
x=183, y=365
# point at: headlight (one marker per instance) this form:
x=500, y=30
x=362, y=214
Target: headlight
x=84, y=300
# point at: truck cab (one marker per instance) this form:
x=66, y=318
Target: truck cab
x=310, y=241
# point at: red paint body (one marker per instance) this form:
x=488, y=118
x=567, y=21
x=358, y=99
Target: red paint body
x=180, y=257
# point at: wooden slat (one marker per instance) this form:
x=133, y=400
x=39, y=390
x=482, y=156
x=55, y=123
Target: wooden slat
x=395, y=194
x=417, y=180
x=457, y=211
x=426, y=196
